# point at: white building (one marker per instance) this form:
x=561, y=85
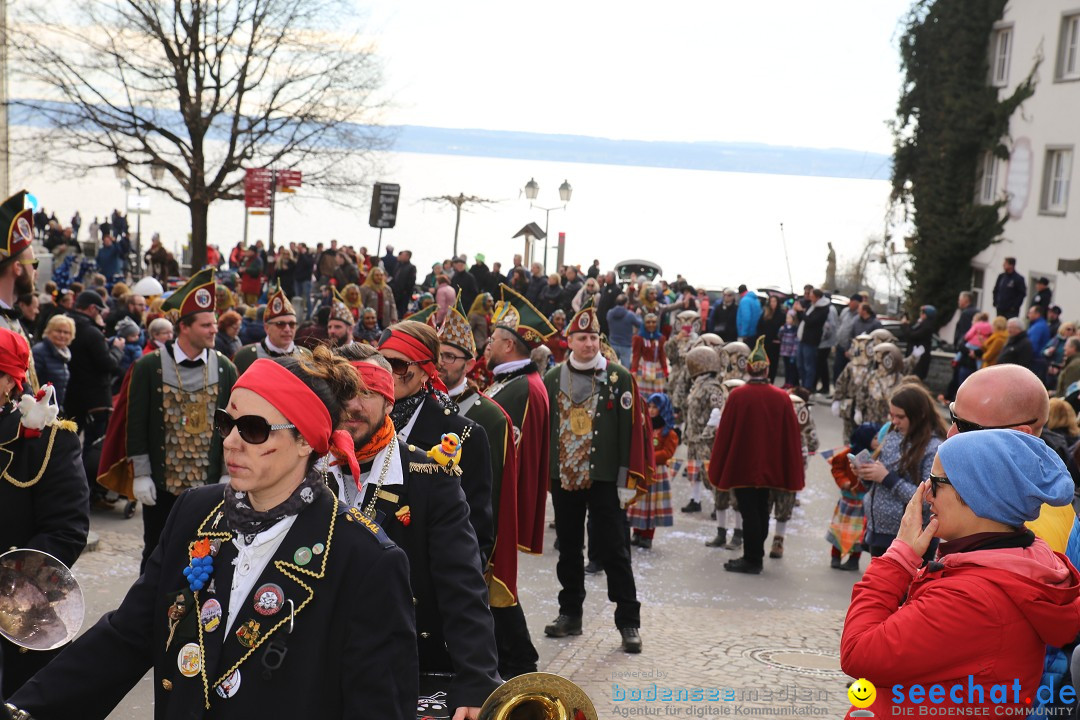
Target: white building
x=1044, y=214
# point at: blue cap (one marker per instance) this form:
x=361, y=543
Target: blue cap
x=1005, y=475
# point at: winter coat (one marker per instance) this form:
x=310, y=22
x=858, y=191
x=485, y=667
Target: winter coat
x=758, y=443
x=369, y=296
x=865, y=327
x=1017, y=351
x=93, y=364
x=227, y=345
x=1009, y=293
x=110, y=261
x=621, y=324
x=52, y=367
x=537, y=284
x=548, y=301
x=813, y=323
x=1039, y=335
x=570, y=290
x=465, y=284
x=885, y=501
x=748, y=314
x=973, y=619
x=993, y=346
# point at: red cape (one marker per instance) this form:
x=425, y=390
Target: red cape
x=504, y=555
x=114, y=468
x=758, y=443
x=533, y=453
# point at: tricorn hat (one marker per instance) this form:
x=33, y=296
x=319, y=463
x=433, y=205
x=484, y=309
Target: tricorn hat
x=278, y=305
x=19, y=222
x=585, y=320
x=197, y=295
x=516, y=314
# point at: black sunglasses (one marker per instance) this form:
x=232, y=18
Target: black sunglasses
x=936, y=481
x=253, y=429
x=964, y=426
x=399, y=367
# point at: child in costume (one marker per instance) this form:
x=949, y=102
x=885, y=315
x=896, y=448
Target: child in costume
x=848, y=521
x=654, y=510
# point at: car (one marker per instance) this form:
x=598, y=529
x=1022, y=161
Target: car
x=641, y=268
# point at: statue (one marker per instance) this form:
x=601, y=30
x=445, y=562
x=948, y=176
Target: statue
x=830, y=269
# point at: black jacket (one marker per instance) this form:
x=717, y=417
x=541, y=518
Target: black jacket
x=1009, y=293
x=814, y=324
x=464, y=283
x=351, y=653
x=432, y=422
x=454, y=628
x=963, y=324
x=51, y=514
x=1017, y=351
x=93, y=363
x=608, y=293
x=537, y=283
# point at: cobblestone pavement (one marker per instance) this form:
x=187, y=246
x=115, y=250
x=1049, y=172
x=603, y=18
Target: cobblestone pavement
x=764, y=645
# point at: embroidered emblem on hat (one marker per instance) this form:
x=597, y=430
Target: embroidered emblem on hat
x=189, y=660
x=22, y=228
x=203, y=298
x=275, y=307
x=626, y=401
x=210, y=615
x=248, y=635
x=229, y=686
x=268, y=599
x=583, y=322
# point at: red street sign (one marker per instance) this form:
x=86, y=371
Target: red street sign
x=256, y=188
x=288, y=179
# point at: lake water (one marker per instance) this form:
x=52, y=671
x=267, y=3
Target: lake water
x=715, y=228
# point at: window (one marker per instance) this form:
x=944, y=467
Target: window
x=1069, y=49
x=1000, y=50
x=1055, y=191
x=988, y=179
x=978, y=277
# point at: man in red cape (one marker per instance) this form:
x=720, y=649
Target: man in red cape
x=758, y=447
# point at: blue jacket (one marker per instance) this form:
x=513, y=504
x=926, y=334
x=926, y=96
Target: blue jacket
x=1039, y=334
x=51, y=367
x=110, y=261
x=746, y=320
x=621, y=324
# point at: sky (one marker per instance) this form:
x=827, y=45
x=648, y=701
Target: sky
x=822, y=74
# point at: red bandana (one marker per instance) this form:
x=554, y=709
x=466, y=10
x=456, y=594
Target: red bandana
x=416, y=351
x=300, y=406
x=376, y=379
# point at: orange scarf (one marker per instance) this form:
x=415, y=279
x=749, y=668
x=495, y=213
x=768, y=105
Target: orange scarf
x=376, y=443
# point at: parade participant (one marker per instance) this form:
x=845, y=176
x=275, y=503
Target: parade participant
x=648, y=360
x=279, y=321
x=654, y=510
x=248, y=608
x=368, y=330
x=457, y=357
x=678, y=383
x=872, y=397
x=44, y=499
x=738, y=357
x=162, y=433
x=848, y=523
x=518, y=387
x=851, y=378
x=18, y=269
x=979, y=617
x=597, y=465
x=339, y=326
x=425, y=513
x=781, y=502
x=706, y=396
x=758, y=447
x=557, y=342
x=423, y=413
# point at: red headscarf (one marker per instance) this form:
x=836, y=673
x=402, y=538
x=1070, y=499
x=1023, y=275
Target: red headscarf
x=300, y=406
x=14, y=355
x=416, y=351
x=376, y=379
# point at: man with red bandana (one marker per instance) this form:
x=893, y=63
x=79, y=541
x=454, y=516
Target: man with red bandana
x=425, y=513
x=423, y=413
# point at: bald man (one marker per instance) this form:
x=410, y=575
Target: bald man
x=1011, y=396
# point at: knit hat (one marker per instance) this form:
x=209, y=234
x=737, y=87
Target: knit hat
x=1005, y=475
x=862, y=437
x=126, y=327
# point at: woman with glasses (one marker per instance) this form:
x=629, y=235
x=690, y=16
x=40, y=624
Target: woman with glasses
x=972, y=627
x=264, y=598
x=906, y=455
x=279, y=323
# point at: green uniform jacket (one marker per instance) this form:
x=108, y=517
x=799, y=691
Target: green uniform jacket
x=248, y=354
x=616, y=447
x=146, y=417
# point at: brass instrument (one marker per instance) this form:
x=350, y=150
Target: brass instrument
x=538, y=696
x=41, y=603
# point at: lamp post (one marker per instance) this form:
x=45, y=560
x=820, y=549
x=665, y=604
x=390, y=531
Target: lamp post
x=532, y=189
x=157, y=173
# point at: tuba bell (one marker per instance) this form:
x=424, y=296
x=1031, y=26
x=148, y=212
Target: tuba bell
x=41, y=603
x=538, y=696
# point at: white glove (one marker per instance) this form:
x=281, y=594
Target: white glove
x=626, y=495
x=918, y=351
x=145, y=492
x=224, y=480
x=858, y=417
x=836, y=408
x=714, y=418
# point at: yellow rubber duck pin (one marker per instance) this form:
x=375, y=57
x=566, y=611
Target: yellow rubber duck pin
x=448, y=452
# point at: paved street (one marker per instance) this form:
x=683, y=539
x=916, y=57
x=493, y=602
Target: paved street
x=768, y=641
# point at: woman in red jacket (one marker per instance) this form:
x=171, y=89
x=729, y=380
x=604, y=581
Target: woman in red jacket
x=648, y=361
x=973, y=629
x=654, y=509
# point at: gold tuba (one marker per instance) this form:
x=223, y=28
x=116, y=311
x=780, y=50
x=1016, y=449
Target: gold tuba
x=538, y=696
x=41, y=603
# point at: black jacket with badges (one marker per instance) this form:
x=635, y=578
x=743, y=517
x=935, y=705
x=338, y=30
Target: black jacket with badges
x=427, y=516
x=431, y=423
x=350, y=654
x=44, y=505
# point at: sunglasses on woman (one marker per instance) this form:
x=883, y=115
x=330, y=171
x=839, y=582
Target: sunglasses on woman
x=964, y=426
x=400, y=367
x=936, y=481
x=253, y=429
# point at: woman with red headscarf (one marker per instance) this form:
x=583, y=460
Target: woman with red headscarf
x=264, y=598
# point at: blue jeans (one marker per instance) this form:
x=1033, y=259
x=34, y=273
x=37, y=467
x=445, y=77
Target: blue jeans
x=807, y=365
x=625, y=353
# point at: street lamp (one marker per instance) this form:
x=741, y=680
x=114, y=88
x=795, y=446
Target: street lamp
x=532, y=189
x=157, y=173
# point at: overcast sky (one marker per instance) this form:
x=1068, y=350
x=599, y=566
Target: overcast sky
x=785, y=72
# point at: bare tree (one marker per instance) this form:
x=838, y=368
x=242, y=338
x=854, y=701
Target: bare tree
x=459, y=201
x=202, y=88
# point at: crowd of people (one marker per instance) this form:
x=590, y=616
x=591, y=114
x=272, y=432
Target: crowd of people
x=318, y=398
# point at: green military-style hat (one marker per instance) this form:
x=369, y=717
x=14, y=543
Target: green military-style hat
x=516, y=314
x=426, y=316
x=199, y=294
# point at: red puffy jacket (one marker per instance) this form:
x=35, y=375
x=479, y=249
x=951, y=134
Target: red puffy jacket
x=988, y=614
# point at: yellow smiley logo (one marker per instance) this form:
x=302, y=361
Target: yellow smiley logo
x=862, y=693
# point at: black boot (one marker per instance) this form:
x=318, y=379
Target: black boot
x=740, y=565
x=852, y=563
x=564, y=625
x=692, y=507
x=644, y=543
x=720, y=540
x=836, y=563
